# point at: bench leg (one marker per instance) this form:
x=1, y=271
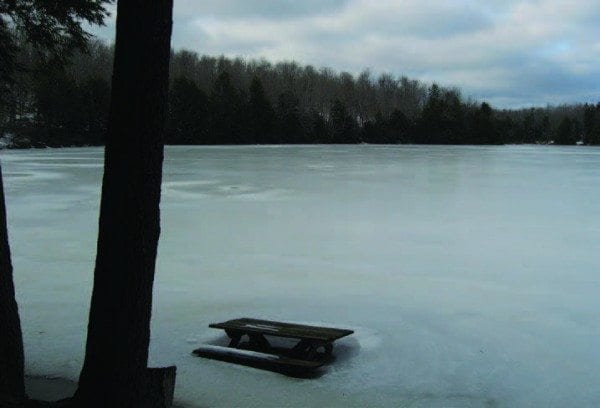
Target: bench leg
x=301, y=349
x=312, y=353
x=235, y=338
x=259, y=342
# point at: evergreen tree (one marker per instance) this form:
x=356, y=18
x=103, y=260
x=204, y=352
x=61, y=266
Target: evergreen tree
x=188, y=114
x=565, y=134
x=454, y=129
x=227, y=115
x=343, y=126
x=545, y=134
x=429, y=127
x=375, y=131
x=290, y=128
x=58, y=109
x=591, y=124
x=529, y=128
x=508, y=130
x=593, y=137
x=318, y=131
x=94, y=103
x=261, y=116
x=398, y=128
x=52, y=27
x=484, y=127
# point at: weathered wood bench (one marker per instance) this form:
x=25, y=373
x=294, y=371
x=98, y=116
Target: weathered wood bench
x=314, y=346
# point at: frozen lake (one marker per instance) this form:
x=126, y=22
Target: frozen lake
x=471, y=275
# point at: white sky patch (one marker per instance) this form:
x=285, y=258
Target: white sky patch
x=489, y=49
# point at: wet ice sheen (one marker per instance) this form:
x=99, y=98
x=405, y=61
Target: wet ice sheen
x=469, y=274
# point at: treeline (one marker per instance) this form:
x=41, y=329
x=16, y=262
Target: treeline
x=234, y=101
x=52, y=103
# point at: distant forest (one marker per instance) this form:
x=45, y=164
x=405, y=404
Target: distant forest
x=217, y=100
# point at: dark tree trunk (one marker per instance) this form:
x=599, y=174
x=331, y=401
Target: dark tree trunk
x=115, y=372
x=11, y=340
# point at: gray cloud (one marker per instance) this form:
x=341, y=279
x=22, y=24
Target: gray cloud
x=509, y=52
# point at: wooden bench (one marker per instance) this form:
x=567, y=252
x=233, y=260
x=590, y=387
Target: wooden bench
x=314, y=346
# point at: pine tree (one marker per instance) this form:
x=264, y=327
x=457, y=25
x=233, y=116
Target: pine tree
x=227, y=116
x=343, y=127
x=261, y=116
x=565, y=134
x=290, y=128
x=188, y=116
x=484, y=126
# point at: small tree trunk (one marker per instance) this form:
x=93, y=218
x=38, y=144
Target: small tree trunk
x=12, y=386
x=115, y=372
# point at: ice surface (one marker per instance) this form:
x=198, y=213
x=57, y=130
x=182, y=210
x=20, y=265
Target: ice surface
x=469, y=274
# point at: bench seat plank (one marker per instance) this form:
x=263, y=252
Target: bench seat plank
x=271, y=362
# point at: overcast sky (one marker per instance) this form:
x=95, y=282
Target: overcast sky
x=512, y=53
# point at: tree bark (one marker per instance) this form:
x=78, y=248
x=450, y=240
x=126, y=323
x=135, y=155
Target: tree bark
x=12, y=385
x=115, y=372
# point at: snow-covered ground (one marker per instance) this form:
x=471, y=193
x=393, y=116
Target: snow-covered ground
x=471, y=275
